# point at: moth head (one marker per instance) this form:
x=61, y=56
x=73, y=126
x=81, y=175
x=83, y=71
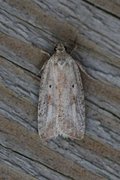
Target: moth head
x=60, y=48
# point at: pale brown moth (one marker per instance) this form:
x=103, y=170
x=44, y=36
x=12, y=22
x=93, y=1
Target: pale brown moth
x=61, y=109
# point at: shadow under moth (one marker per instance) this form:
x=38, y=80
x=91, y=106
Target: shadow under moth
x=61, y=109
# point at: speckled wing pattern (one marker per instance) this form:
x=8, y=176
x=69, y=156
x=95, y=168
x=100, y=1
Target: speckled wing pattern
x=61, y=109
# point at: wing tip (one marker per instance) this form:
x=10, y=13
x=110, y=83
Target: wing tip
x=45, y=136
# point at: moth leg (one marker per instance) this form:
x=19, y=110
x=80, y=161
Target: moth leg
x=44, y=52
x=89, y=76
x=41, y=70
x=85, y=72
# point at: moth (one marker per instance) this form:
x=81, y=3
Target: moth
x=61, y=107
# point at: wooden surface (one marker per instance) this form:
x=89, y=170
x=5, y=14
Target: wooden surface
x=29, y=30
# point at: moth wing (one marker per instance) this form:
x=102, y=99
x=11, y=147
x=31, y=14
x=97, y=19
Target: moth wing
x=46, y=115
x=72, y=122
x=61, y=111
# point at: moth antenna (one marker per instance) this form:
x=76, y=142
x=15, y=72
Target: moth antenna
x=75, y=47
x=75, y=43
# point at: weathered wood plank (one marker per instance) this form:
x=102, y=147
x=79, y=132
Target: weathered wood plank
x=32, y=23
x=22, y=54
x=112, y=6
x=15, y=137
x=26, y=165
x=7, y=172
x=26, y=29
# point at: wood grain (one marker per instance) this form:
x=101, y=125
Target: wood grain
x=29, y=31
x=112, y=7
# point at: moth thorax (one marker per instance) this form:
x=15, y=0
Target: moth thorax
x=60, y=48
x=61, y=61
